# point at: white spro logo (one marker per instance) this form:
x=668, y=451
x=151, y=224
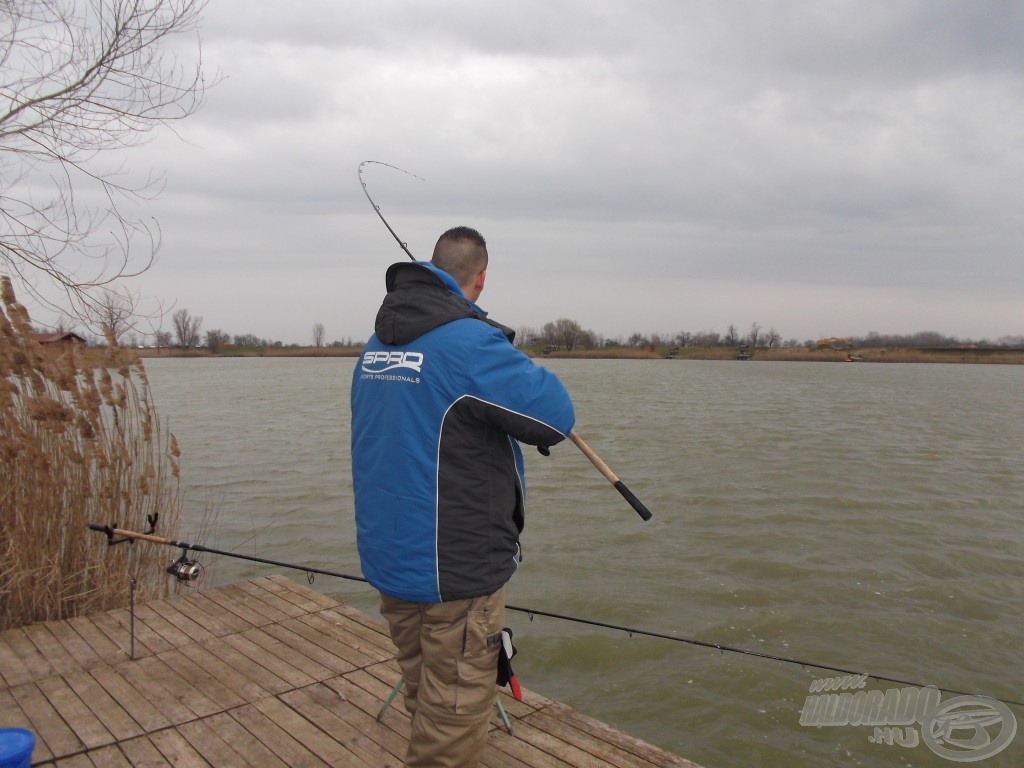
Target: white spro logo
x=963, y=729
x=383, y=361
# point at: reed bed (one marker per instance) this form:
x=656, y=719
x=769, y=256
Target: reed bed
x=80, y=443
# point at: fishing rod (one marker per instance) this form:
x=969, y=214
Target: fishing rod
x=610, y=476
x=186, y=570
x=376, y=207
x=587, y=451
x=183, y=568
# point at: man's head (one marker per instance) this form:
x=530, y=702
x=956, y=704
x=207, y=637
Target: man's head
x=462, y=253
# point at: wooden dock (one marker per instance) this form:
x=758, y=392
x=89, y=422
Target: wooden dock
x=263, y=673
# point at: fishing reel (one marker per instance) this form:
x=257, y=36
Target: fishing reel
x=185, y=570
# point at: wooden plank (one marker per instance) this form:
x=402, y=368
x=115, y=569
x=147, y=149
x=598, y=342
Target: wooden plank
x=302, y=640
x=323, y=745
x=306, y=598
x=288, y=609
x=151, y=630
x=101, y=643
x=344, y=643
x=46, y=723
x=75, y=713
x=185, y=664
x=12, y=668
x=374, y=623
x=333, y=640
x=177, y=685
x=142, y=752
x=277, y=666
x=357, y=637
x=76, y=646
x=328, y=710
x=245, y=742
x=244, y=665
x=217, y=668
x=208, y=742
x=275, y=738
x=177, y=750
x=165, y=690
x=135, y=703
x=391, y=732
x=77, y=761
x=386, y=672
x=603, y=732
x=57, y=655
x=494, y=757
x=528, y=753
x=118, y=624
x=558, y=748
x=605, y=753
x=31, y=664
x=214, y=617
x=108, y=757
x=245, y=605
x=253, y=751
x=14, y=717
x=212, y=622
x=113, y=716
x=177, y=627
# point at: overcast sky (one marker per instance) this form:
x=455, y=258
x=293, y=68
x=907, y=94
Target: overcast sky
x=823, y=167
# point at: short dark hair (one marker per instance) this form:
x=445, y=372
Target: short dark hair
x=462, y=253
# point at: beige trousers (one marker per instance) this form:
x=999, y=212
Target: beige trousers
x=448, y=653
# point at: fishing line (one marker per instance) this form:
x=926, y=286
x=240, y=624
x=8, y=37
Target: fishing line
x=310, y=572
x=376, y=207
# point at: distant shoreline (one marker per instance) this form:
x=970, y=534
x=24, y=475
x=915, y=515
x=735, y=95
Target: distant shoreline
x=985, y=355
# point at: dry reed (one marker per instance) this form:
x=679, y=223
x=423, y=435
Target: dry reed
x=80, y=443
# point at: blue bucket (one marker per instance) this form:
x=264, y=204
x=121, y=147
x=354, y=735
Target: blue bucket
x=16, y=745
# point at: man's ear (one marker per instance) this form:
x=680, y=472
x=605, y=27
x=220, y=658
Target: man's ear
x=481, y=278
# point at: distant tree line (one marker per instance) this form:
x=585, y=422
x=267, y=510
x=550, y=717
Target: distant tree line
x=568, y=335
x=187, y=334
x=564, y=333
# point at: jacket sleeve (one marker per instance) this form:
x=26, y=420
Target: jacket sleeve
x=523, y=400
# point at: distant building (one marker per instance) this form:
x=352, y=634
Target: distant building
x=63, y=337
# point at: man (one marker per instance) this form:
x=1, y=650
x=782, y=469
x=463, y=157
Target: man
x=440, y=398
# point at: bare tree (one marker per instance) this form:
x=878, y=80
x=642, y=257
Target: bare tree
x=186, y=328
x=113, y=311
x=755, y=334
x=563, y=332
x=79, y=79
x=526, y=336
x=215, y=339
x=318, y=334
x=773, y=337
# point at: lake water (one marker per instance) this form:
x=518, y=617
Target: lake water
x=865, y=517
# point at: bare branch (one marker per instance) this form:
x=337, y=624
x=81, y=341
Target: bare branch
x=79, y=80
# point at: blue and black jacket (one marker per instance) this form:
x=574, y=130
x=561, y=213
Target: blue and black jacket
x=440, y=397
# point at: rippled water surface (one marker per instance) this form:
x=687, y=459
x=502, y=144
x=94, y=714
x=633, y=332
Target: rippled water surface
x=866, y=517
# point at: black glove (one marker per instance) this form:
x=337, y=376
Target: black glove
x=543, y=450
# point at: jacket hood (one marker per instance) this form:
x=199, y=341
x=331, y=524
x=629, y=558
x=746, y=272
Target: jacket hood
x=420, y=298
